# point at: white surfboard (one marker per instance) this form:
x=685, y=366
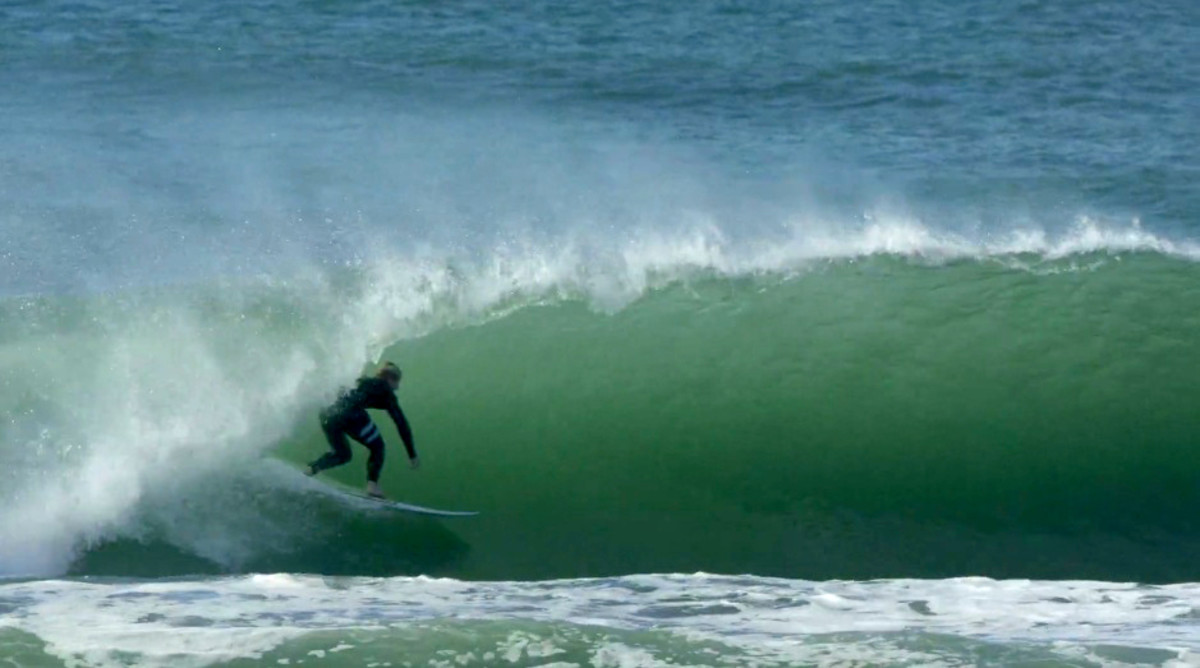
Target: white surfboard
x=408, y=507
x=362, y=499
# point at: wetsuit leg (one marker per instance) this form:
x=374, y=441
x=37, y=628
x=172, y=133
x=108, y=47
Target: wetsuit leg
x=339, y=449
x=368, y=434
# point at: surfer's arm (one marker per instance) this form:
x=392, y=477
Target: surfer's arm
x=397, y=416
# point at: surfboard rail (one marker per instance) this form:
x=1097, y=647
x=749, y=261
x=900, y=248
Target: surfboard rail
x=335, y=487
x=408, y=507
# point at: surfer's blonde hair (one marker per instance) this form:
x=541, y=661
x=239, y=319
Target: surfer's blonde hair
x=389, y=371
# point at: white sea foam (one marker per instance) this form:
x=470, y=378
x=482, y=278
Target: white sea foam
x=738, y=620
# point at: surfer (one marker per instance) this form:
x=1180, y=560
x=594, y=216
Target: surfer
x=348, y=417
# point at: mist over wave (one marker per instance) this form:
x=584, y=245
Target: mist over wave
x=175, y=315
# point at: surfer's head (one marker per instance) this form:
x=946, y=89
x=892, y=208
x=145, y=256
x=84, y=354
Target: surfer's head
x=391, y=373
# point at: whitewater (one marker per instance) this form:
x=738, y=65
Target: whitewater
x=762, y=335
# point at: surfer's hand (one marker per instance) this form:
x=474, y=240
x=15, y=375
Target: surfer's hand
x=415, y=462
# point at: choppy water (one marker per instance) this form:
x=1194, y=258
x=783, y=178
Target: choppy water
x=641, y=620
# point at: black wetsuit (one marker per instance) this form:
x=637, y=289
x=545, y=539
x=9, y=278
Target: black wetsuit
x=348, y=417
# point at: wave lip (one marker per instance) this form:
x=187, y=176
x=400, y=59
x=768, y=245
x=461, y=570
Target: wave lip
x=611, y=274
x=911, y=238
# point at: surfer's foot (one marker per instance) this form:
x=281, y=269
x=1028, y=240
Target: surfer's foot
x=374, y=491
x=310, y=470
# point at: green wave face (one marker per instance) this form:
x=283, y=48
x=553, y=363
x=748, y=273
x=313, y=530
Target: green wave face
x=860, y=419
x=863, y=420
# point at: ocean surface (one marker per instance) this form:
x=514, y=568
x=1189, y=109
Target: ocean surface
x=760, y=333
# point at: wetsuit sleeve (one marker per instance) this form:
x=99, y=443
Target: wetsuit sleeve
x=397, y=416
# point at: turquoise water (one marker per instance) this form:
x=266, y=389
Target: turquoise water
x=884, y=307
